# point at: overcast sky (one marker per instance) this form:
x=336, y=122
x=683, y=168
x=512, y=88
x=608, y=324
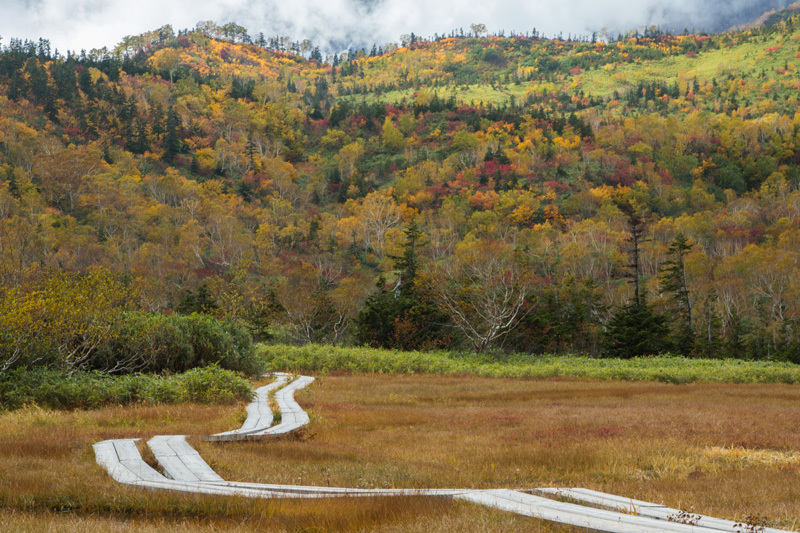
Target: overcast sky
x=77, y=24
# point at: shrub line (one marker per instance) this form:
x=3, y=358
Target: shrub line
x=87, y=390
x=661, y=368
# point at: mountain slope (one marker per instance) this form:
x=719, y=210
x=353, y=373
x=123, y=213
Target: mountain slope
x=281, y=188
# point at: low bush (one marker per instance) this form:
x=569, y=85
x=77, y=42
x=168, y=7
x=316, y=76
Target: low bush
x=668, y=369
x=59, y=319
x=154, y=343
x=86, y=390
x=84, y=322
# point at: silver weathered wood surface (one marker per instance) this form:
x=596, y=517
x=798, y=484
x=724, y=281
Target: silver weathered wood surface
x=580, y=515
x=293, y=417
x=186, y=471
x=179, y=460
x=647, y=509
x=122, y=460
x=259, y=413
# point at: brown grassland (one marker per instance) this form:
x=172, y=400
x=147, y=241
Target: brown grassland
x=731, y=451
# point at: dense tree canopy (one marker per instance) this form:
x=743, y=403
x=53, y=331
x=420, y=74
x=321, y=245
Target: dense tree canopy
x=478, y=180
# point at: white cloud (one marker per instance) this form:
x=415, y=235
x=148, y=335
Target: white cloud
x=77, y=24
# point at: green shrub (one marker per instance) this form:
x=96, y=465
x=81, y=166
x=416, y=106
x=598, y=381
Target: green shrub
x=72, y=321
x=155, y=343
x=59, y=319
x=212, y=385
x=86, y=390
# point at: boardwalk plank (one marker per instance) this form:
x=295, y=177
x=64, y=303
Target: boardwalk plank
x=259, y=413
x=642, y=508
x=180, y=461
x=122, y=460
x=578, y=515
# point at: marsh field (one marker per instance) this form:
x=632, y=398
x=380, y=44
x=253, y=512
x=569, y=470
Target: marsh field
x=726, y=450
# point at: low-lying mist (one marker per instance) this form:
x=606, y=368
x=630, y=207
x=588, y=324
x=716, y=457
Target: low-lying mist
x=337, y=25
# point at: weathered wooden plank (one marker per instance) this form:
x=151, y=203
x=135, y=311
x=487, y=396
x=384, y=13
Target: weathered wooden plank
x=192, y=459
x=170, y=461
x=292, y=415
x=300, y=490
x=176, y=469
x=489, y=499
x=259, y=413
x=122, y=461
x=142, y=470
x=106, y=456
x=642, y=508
x=577, y=515
x=597, y=498
x=160, y=445
x=126, y=449
x=632, y=516
x=200, y=468
x=121, y=474
x=130, y=458
x=180, y=461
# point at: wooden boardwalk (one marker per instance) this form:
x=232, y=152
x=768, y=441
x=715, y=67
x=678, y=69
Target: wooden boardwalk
x=259, y=412
x=185, y=470
x=645, y=509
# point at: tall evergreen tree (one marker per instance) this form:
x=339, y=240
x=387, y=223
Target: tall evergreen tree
x=564, y=318
x=408, y=262
x=635, y=329
x=674, y=282
x=140, y=143
x=636, y=228
x=172, y=139
x=375, y=322
x=404, y=317
x=157, y=125
x=85, y=82
x=201, y=302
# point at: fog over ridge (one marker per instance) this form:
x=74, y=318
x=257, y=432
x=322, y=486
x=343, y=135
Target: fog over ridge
x=340, y=24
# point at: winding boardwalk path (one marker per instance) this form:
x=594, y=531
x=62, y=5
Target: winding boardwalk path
x=185, y=470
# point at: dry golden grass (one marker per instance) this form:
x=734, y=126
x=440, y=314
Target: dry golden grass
x=723, y=450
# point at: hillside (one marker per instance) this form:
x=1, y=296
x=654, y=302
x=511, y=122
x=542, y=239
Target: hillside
x=773, y=16
x=487, y=185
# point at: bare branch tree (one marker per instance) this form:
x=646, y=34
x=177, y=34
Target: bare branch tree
x=483, y=290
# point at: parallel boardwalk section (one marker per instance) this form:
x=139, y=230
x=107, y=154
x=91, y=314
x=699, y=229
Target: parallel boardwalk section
x=179, y=460
x=259, y=412
x=646, y=509
x=184, y=470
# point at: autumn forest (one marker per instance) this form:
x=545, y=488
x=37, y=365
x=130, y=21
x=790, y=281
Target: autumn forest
x=607, y=195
